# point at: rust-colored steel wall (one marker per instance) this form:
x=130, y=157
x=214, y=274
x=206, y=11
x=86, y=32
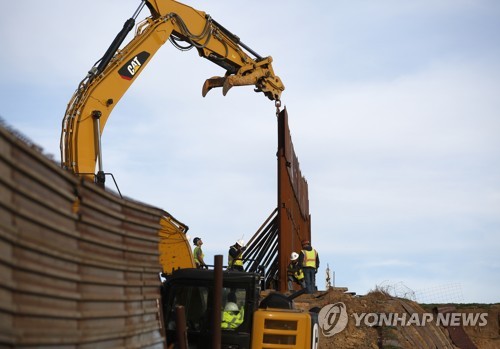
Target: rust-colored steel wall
x=293, y=201
x=78, y=265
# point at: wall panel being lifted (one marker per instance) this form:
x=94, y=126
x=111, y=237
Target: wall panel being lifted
x=294, y=219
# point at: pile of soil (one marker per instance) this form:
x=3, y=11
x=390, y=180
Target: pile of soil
x=370, y=325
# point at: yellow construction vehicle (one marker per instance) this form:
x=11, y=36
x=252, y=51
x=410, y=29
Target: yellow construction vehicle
x=272, y=322
x=269, y=324
x=109, y=79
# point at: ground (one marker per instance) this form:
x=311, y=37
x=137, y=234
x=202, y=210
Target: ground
x=402, y=329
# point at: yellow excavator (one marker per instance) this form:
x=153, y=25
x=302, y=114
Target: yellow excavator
x=109, y=79
x=270, y=323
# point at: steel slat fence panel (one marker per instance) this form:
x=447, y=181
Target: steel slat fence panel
x=78, y=265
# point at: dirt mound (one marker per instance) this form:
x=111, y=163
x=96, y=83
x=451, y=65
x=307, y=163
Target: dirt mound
x=379, y=320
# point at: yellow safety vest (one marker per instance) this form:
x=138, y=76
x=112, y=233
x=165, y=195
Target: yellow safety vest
x=309, y=258
x=230, y=320
x=196, y=249
x=295, y=271
x=238, y=261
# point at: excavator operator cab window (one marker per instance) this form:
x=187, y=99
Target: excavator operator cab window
x=233, y=308
x=197, y=304
x=196, y=295
x=194, y=299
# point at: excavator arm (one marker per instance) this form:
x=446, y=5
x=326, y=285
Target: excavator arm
x=109, y=79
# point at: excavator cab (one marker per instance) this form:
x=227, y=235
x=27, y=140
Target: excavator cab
x=194, y=290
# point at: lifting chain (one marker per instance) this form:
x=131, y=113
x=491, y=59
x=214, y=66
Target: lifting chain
x=277, y=103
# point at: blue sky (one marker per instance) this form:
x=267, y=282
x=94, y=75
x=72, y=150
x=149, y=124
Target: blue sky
x=393, y=108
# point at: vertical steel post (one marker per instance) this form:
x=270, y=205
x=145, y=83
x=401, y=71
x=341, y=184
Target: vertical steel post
x=216, y=333
x=180, y=326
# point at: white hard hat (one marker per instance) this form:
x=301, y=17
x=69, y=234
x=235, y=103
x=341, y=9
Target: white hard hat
x=241, y=243
x=230, y=306
x=294, y=256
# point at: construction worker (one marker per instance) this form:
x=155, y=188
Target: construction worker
x=198, y=254
x=309, y=263
x=232, y=317
x=235, y=256
x=295, y=273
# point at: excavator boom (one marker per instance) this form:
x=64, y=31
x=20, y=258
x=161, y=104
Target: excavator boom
x=109, y=79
